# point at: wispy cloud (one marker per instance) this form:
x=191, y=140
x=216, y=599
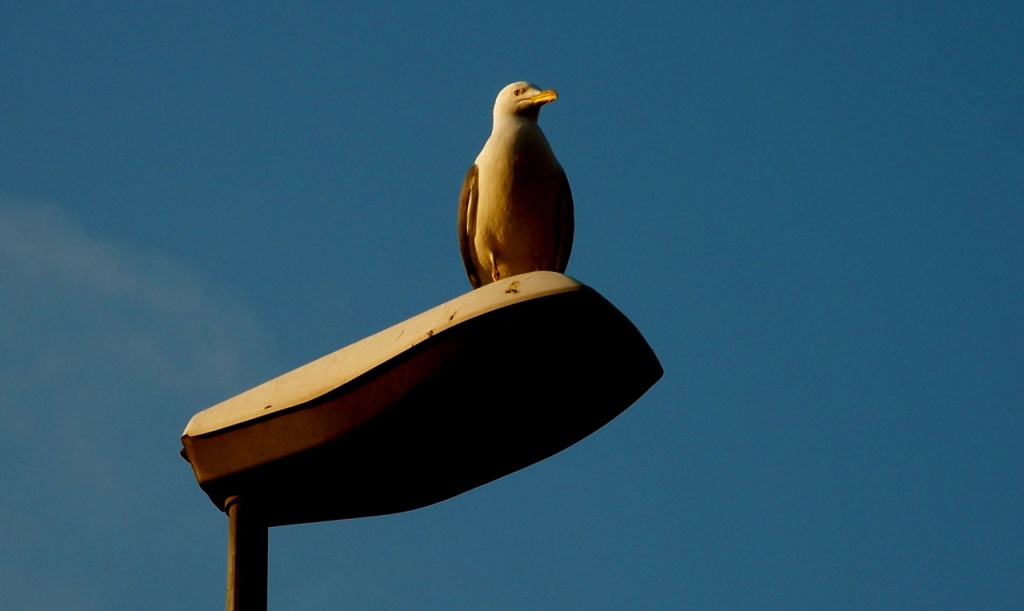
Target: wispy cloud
x=107, y=350
x=62, y=284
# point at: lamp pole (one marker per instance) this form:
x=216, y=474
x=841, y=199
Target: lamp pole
x=248, y=536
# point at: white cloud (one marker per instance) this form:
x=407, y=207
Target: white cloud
x=106, y=352
x=139, y=309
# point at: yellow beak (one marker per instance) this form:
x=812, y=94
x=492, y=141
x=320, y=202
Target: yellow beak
x=544, y=97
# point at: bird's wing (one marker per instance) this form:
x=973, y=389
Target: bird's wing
x=467, y=222
x=566, y=225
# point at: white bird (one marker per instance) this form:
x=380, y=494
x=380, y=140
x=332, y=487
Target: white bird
x=515, y=210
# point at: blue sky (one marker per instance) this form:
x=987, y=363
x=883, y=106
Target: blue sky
x=814, y=213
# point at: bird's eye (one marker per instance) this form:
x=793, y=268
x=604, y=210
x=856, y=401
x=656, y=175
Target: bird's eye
x=517, y=92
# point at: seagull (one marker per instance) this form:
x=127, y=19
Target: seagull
x=515, y=210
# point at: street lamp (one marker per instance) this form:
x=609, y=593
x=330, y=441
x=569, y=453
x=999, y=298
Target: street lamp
x=451, y=399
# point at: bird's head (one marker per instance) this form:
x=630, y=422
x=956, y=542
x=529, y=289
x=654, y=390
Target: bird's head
x=522, y=99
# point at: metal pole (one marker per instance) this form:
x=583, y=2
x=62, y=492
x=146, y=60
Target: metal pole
x=247, y=557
